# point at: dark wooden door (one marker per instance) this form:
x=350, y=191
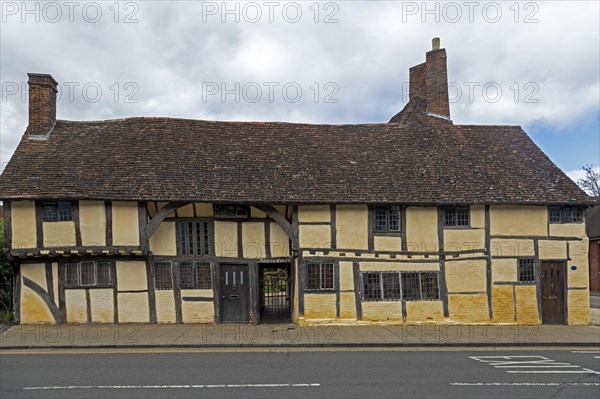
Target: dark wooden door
x=553, y=297
x=235, y=293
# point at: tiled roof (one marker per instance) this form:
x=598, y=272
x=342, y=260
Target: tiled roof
x=413, y=159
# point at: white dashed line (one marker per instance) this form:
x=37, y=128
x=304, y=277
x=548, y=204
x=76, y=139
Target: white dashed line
x=518, y=384
x=191, y=386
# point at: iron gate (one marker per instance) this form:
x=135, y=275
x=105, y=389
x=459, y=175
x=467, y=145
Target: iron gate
x=275, y=303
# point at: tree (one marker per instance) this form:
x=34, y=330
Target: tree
x=591, y=182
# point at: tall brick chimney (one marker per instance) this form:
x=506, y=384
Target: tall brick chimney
x=429, y=81
x=42, y=104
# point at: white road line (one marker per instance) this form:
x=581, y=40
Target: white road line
x=510, y=384
x=584, y=371
x=541, y=366
x=585, y=351
x=191, y=386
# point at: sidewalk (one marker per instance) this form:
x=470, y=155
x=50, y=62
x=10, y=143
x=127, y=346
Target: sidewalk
x=271, y=335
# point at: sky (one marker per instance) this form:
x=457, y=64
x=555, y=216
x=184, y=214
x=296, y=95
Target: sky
x=533, y=63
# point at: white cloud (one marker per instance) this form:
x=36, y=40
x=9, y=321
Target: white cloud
x=170, y=52
x=575, y=175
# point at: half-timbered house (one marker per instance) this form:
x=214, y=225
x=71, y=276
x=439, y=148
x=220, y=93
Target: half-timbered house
x=418, y=220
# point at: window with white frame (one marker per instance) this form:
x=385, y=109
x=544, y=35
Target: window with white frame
x=320, y=276
x=457, y=216
x=386, y=218
x=565, y=214
x=57, y=211
x=88, y=274
x=395, y=286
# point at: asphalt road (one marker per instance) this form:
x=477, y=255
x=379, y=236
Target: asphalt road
x=302, y=374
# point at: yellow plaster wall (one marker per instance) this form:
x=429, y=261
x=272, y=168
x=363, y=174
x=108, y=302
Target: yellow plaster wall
x=478, y=216
x=508, y=220
x=352, y=226
x=102, y=305
x=253, y=240
x=23, y=224
x=55, y=281
x=567, y=229
x=468, y=308
x=204, y=209
x=160, y=205
x=424, y=311
x=346, y=276
x=165, y=306
x=280, y=243
x=466, y=276
x=463, y=239
x=421, y=229
x=579, y=307
x=164, y=240
x=552, y=249
x=125, y=224
x=257, y=213
x=226, y=239
x=92, y=223
x=347, y=305
x=503, y=304
x=76, y=306
x=319, y=306
x=507, y=247
x=186, y=211
x=133, y=307
x=504, y=270
x=397, y=267
x=33, y=308
x=527, y=311
x=131, y=276
x=36, y=272
x=578, y=251
x=383, y=243
x=59, y=234
x=198, y=312
x=314, y=213
x=315, y=236
x=382, y=311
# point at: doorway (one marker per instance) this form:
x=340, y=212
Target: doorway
x=274, y=293
x=553, y=292
x=235, y=293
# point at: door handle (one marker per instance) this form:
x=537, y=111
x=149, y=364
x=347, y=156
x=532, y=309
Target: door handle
x=551, y=297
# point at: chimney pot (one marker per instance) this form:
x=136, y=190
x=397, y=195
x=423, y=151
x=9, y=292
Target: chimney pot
x=435, y=43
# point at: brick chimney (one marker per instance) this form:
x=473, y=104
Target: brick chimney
x=429, y=81
x=42, y=104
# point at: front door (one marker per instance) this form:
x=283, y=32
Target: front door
x=553, y=300
x=235, y=293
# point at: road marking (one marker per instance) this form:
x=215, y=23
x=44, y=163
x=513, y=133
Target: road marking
x=582, y=371
x=190, y=386
x=541, y=363
x=511, y=384
x=585, y=351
